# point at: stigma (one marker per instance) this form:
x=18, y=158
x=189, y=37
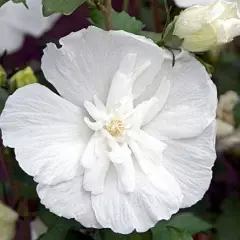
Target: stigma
x=115, y=127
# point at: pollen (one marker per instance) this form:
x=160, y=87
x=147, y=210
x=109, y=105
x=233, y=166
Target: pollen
x=115, y=127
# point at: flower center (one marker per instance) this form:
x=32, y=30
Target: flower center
x=115, y=127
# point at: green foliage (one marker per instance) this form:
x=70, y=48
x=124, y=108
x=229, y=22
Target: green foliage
x=3, y=76
x=4, y=188
x=15, y=1
x=227, y=73
x=21, y=1
x=107, y=234
x=120, y=21
x=156, y=37
x=50, y=219
x=2, y=2
x=169, y=39
x=58, y=231
x=58, y=227
x=3, y=98
x=189, y=222
x=209, y=68
x=228, y=223
x=60, y=6
x=171, y=233
x=236, y=114
x=180, y=227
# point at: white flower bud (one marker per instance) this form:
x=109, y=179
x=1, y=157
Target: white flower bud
x=204, y=27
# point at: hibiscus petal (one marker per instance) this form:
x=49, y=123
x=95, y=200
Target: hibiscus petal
x=190, y=161
x=69, y=200
x=119, y=152
x=147, y=150
x=121, y=156
x=82, y=67
x=126, y=175
x=151, y=201
x=228, y=29
x=47, y=132
x=97, y=163
x=121, y=86
x=191, y=103
x=161, y=95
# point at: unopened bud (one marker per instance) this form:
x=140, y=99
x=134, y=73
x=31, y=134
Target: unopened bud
x=22, y=78
x=3, y=76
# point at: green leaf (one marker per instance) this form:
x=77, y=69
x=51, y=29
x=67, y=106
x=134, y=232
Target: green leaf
x=3, y=98
x=120, y=21
x=58, y=231
x=178, y=234
x=108, y=234
x=46, y=216
x=228, y=223
x=4, y=188
x=181, y=226
x=209, y=68
x=28, y=190
x=171, y=233
x=169, y=39
x=156, y=37
x=189, y=222
x=50, y=219
x=3, y=2
x=60, y=6
x=236, y=114
x=19, y=1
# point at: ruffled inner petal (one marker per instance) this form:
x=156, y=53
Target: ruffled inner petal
x=147, y=150
x=126, y=175
x=121, y=87
x=96, y=163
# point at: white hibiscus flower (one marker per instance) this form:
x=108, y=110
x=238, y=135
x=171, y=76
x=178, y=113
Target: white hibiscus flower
x=16, y=21
x=131, y=141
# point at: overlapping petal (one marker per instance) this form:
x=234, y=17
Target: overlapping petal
x=191, y=103
x=190, y=161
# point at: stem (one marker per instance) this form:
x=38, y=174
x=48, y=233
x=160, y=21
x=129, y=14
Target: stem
x=106, y=9
x=156, y=16
x=107, y=14
x=125, y=6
